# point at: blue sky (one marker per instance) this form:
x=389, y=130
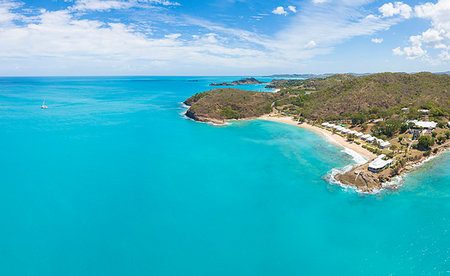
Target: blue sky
x=222, y=37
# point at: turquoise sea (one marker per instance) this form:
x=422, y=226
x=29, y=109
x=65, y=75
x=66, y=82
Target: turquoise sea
x=111, y=179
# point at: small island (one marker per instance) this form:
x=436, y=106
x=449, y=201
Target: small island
x=238, y=82
x=394, y=120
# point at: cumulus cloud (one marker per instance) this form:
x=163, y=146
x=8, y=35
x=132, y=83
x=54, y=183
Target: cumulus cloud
x=279, y=11
x=437, y=37
x=398, y=8
x=377, y=40
x=68, y=39
x=292, y=9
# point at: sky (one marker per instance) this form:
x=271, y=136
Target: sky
x=222, y=37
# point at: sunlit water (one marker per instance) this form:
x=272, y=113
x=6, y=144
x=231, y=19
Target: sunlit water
x=112, y=180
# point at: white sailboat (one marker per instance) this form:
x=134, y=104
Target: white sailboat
x=43, y=106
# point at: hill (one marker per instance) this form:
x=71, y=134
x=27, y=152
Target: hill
x=384, y=94
x=218, y=105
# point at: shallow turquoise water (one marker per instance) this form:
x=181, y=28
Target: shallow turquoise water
x=112, y=180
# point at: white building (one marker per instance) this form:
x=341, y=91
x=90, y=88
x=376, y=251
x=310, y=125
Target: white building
x=424, y=124
x=359, y=134
x=384, y=144
x=379, y=164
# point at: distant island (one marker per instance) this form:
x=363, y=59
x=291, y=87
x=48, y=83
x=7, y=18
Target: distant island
x=238, y=82
x=395, y=120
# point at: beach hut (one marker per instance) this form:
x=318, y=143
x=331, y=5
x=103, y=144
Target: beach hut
x=359, y=134
x=324, y=124
x=345, y=131
x=365, y=136
x=370, y=139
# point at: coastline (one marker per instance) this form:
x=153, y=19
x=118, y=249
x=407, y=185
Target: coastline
x=333, y=138
x=353, y=176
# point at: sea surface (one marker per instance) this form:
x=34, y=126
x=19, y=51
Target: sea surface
x=112, y=179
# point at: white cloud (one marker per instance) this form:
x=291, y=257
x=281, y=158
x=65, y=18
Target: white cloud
x=398, y=51
x=98, y=5
x=377, y=40
x=106, y=5
x=292, y=9
x=6, y=16
x=438, y=36
x=319, y=1
x=65, y=40
x=398, y=8
x=172, y=36
x=311, y=44
x=279, y=11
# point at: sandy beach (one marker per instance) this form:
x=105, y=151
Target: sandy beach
x=333, y=138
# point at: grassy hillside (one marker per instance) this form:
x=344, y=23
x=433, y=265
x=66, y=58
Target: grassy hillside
x=380, y=95
x=229, y=103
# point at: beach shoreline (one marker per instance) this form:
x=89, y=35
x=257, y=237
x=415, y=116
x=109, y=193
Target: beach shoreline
x=328, y=135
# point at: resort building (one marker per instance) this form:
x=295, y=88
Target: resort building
x=370, y=139
x=359, y=134
x=379, y=164
x=384, y=144
x=424, y=124
x=424, y=110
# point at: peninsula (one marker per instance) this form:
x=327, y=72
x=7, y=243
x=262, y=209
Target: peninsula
x=394, y=120
x=238, y=82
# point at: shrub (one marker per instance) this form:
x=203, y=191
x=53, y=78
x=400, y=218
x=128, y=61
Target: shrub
x=425, y=142
x=441, y=139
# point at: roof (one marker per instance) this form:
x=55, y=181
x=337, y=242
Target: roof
x=424, y=124
x=385, y=144
x=379, y=163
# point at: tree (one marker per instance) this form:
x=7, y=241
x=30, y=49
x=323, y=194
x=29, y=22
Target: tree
x=359, y=118
x=447, y=134
x=425, y=142
x=441, y=139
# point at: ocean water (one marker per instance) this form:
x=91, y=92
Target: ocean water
x=111, y=179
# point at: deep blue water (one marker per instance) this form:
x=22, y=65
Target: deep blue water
x=112, y=180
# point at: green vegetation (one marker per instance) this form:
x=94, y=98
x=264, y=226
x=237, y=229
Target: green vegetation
x=388, y=128
x=425, y=142
x=229, y=103
x=364, y=98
